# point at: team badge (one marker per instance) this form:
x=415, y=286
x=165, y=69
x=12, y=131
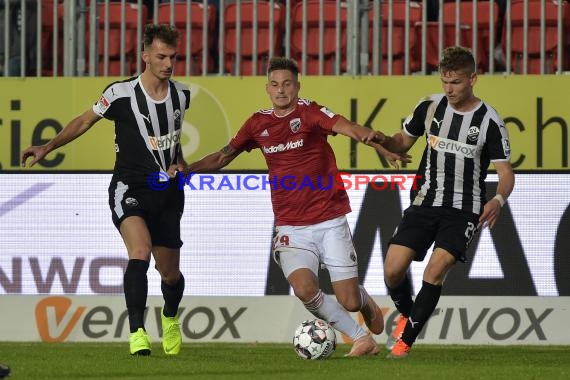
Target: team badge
x=473, y=133
x=131, y=202
x=506, y=147
x=295, y=125
x=176, y=115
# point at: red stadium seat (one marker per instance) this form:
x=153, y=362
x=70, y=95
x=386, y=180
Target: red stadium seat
x=483, y=22
x=195, y=28
x=130, y=52
x=432, y=39
x=533, y=40
x=330, y=31
x=246, y=51
x=399, y=27
x=460, y=32
x=48, y=39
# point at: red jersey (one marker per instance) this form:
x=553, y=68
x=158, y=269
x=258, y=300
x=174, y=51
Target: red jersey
x=302, y=165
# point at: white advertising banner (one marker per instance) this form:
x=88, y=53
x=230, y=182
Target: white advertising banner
x=457, y=320
x=57, y=238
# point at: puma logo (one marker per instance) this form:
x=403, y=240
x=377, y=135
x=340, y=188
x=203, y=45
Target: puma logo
x=146, y=118
x=438, y=123
x=412, y=322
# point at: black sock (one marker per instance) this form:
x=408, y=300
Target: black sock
x=135, y=285
x=402, y=296
x=172, y=296
x=425, y=304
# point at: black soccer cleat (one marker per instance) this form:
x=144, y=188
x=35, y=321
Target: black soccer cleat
x=4, y=371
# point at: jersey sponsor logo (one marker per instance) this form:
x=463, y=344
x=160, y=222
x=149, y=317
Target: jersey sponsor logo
x=444, y=145
x=295, y=125
x=165, y=141
x=327, y=112
x=473, y=133
x=102, y=104
x=283, y=147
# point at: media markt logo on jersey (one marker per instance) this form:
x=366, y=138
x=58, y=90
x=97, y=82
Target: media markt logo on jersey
x=283, y=147
x=55, y=319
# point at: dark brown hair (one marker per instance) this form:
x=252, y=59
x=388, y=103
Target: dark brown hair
x=457, y=58
x=283, y=63
x=163, y=32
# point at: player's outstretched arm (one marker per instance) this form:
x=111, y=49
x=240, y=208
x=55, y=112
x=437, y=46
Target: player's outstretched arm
x=370, y=137
x=72, y=130
x=213, y=161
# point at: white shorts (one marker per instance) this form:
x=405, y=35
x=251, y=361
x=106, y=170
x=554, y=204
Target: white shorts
x=327, y=244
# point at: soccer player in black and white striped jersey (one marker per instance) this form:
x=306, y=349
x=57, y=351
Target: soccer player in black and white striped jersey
x=148, y=111
x=464, y=135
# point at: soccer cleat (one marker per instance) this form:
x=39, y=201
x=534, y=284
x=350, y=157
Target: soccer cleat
x=373, y=317
x=364, y=346
x=400, y=350
x=139, y=343
x=171, y=336
x=4, y=371
x=397, y=333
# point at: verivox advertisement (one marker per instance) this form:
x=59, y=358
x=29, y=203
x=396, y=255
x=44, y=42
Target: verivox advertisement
x=457, y=320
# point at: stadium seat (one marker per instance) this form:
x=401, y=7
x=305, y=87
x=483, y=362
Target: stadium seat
x=329, y=33
x=466, y=17
x=131, y=50
x=195, y=29
x=47, y=40
x=533, y=40
x=399, y=27
x=247, y=51
x=460, y=32
x=432, y=39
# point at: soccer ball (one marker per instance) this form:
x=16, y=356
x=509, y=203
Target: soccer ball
x=314, y=339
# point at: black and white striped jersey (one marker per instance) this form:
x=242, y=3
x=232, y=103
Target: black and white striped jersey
x=460, y=146
x=147, y=132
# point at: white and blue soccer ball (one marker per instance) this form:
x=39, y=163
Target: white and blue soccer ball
x=314, y=339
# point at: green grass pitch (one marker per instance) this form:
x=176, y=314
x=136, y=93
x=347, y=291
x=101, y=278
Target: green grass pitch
x=109, y=361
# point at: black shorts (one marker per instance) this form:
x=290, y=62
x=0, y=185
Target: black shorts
x=449, y=228
x=161, y=210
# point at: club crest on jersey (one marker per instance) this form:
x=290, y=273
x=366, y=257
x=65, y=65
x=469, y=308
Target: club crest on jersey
x=506, y=147
x=176, y=115
x=131, y=202
x=472, y=133
x=295, y=125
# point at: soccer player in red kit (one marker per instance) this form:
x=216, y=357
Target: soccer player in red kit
x=309, y=206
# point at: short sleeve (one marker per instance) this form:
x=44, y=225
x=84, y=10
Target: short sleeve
x=497, y=142
x=243, y=140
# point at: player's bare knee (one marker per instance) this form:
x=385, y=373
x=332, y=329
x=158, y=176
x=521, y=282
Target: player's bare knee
x=392, y=277
x=351, y=304
x=140, y=253
x=305, y=293
x=170, y=277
